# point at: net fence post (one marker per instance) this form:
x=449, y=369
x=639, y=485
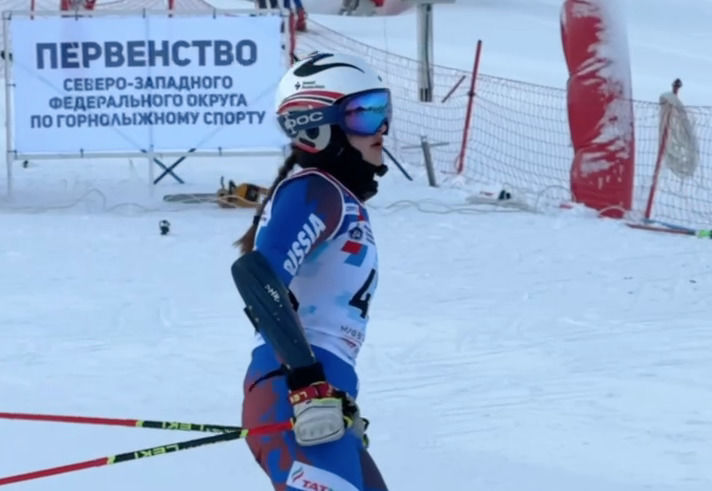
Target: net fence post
x=424, y=29
x=425, y=51
x=6, y=17
x=425, y=146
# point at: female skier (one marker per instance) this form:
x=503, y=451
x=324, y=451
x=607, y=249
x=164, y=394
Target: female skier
x=307, y=274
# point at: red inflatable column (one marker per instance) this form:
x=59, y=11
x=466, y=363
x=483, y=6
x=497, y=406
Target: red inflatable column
x=77, y=4
x=600, y=105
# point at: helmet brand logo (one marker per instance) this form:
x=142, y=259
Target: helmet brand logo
x=305, y=119
x=309, y=68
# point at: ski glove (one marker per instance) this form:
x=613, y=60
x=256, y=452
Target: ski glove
x=321, y=412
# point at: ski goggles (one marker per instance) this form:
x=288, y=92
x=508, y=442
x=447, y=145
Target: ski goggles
x=363, y=113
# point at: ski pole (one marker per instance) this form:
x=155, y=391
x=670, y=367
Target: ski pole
x=400, y=167
x=136, y=423
x=149, y=452
x=700, y=233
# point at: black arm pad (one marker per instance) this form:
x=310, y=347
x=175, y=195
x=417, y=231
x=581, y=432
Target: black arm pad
x=268, y=307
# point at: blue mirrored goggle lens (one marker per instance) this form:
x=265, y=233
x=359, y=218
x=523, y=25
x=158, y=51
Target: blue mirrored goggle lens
x=366, y=113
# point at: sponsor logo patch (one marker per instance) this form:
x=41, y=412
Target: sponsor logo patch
x=310, y=478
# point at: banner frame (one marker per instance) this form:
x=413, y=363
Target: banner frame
x=12, y=155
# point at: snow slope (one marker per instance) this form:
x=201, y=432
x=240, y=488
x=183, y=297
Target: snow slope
x=507, y=351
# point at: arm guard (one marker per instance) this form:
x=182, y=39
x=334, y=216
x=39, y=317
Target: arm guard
x=268, y=307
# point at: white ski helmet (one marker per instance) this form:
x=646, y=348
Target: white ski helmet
x=309, y=90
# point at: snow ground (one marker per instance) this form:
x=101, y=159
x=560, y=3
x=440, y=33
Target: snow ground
x=507, y=351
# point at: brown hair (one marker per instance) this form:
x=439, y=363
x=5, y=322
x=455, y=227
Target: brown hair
x=247, y=242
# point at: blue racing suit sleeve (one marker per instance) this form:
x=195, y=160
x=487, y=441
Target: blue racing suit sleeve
x=305, y=211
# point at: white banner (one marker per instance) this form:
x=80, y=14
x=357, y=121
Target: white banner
x=145, y=83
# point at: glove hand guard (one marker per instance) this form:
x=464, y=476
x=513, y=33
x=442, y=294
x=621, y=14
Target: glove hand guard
x=321, y=412
x=318, y=414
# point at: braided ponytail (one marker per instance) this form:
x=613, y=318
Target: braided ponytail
x=247, y=242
